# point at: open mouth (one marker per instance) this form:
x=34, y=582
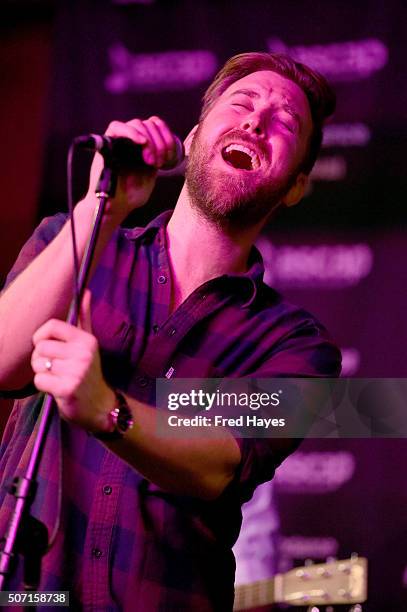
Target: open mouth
x=241, y=157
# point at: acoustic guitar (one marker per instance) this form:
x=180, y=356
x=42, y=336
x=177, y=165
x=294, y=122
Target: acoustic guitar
x=335, y=582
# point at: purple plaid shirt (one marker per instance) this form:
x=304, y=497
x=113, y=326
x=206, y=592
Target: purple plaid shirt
x=123, y=543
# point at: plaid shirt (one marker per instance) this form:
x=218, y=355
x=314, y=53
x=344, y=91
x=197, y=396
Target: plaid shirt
x=123, y=543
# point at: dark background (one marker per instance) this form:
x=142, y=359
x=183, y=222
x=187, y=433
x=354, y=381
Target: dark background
x=69, y=68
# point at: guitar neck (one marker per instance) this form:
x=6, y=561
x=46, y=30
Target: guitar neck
x=255, y=594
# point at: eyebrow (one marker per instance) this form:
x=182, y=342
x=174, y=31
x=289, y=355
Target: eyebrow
x=247, y=92
x=286, y=106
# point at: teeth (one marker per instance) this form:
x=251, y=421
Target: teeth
x=253, y=155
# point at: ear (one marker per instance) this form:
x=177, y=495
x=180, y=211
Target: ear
x=189, y=138
x=295, y=194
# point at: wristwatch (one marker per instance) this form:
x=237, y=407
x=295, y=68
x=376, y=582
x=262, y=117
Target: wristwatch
x=121, y=419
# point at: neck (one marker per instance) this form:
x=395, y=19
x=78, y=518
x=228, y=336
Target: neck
x=200, y=250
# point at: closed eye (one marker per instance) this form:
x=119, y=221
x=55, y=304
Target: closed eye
x=289, y=126
x=241, y=100
x=249, y=108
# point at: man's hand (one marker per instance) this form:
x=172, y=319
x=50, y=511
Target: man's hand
x=134, y=187
x=66, y=363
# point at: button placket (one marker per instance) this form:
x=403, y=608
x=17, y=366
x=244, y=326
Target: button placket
x=99, y=535
x=161, y=288
x=161, y=349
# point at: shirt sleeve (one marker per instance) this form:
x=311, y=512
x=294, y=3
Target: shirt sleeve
x=305, y=352
x=42, y=236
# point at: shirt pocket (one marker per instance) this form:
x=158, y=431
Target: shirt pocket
x=115, y=335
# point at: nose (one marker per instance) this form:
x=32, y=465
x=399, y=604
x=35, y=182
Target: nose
x=254, y=124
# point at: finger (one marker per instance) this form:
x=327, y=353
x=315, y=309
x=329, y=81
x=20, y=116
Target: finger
x=85, y=316
x=149, y=148
x=159, y=142
x=131, y=129
x=45, y=365
x=168, y=138
x=44, y=381
x=56, y=385
x=52, y=349
x=54, y=329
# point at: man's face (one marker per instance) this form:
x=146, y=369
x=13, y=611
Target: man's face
x=245, y=155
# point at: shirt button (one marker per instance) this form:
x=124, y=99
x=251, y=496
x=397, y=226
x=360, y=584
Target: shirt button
x=143, y=381
x=107, y=489
x=96, y=553
x=156, y=328
x=162, y=279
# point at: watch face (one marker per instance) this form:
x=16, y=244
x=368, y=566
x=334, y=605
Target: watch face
x=124, y=419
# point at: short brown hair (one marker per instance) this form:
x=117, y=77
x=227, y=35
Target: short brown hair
x=320, y=95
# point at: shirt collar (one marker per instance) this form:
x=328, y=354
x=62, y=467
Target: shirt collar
x=246, y=284
x=159, y=222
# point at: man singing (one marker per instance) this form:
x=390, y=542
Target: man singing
x=148, y=522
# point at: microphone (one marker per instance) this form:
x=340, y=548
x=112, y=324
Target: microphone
x=124, y=152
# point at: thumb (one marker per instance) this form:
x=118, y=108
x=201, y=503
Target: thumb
x=85, y=317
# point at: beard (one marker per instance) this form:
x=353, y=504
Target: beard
x=236, y=200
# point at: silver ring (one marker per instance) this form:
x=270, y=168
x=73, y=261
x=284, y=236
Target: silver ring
x=48, y=365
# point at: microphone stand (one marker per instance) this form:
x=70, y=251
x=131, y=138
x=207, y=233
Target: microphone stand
x=25, y=534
